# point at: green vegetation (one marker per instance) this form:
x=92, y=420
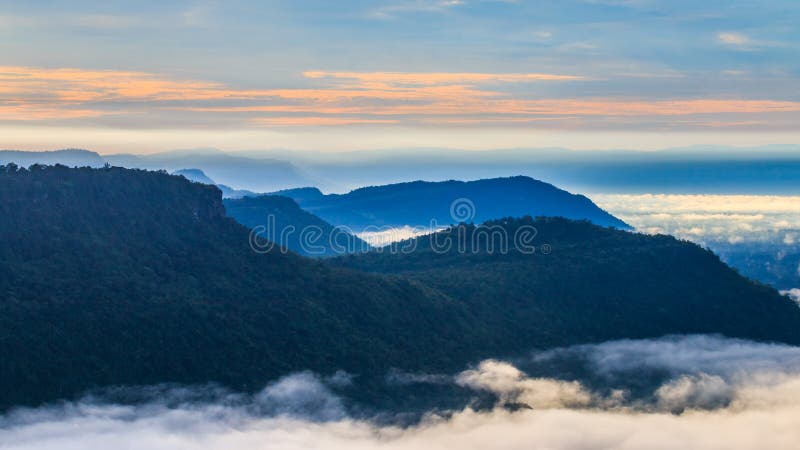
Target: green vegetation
x=114, y=276
x=117, y=276
x=594, y=284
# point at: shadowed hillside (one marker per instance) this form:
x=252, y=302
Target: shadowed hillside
x=281, y=220
x=115, y=276
x=581, y=282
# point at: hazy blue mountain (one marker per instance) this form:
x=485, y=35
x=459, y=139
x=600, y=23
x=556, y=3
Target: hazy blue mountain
x=199, y=176
x=255, y=174
x=196, y=175
x=280, y=220
x=773, y=169
x=421, y=203
x=68, y=157
x=701, y=169
x=301, y=195
x=127, y=277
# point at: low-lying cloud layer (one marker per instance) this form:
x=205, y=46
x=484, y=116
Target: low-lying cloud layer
x=719, y=393
x=711, y=218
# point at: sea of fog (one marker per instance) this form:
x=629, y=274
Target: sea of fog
x=710, y=218
x=675, y=392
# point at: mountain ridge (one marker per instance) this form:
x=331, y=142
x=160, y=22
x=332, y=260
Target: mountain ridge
x=423, y=203
x=118, y=276
x=281, y=220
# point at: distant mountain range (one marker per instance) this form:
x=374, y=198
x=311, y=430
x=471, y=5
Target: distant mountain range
x=257, y=173
x=415, y=204
x=199, y=176
x=423, y=204
x=771, y=169
x=282, y=221
x=69, y=157
x=113, y=276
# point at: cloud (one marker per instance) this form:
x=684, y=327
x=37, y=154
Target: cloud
x=742, y=42
x=296, y=121
x=731, y=359
x=794, y=293
x=413, y=6
x=143, y=99
x=388, y=235
x=394, y=79
x=725, y=393
x=694, y=391
x=711, y=218
x=513, y=386
x=735, y=39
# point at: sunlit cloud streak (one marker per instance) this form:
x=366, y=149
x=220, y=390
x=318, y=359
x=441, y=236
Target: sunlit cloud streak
x=344, y=98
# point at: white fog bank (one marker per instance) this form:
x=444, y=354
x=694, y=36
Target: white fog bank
x=732, y=394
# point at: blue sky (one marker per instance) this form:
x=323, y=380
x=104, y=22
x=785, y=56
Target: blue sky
x=146, y=76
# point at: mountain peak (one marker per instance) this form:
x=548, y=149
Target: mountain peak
x=195, y=175
x=425, y=203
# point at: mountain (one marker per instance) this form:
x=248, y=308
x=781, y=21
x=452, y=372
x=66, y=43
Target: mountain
x=127, y=277
x=115, y=276
x=257, y=174
x=424, y=204
x=301, y=195
x=69, y=157
x=281, y=220
x=769, y=169
x=198, y=176
x=585, y=283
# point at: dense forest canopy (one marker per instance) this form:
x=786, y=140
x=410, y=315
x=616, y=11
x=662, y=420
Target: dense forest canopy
x=115, y=276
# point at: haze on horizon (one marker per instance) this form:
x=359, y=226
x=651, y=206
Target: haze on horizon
x=348, y=75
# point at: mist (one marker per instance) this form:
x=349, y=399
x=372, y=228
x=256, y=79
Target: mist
x=714, y=393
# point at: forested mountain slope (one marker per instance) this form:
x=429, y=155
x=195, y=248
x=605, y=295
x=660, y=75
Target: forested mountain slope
x=127, y=277
x=585, y=283
x=117, y=276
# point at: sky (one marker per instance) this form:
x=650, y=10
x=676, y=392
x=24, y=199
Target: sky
x=148, y=76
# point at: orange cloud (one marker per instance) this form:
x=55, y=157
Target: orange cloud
x=317, y=121
x=344, y=98
x=432, y=78
x=28, y=112
x=535, y=107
